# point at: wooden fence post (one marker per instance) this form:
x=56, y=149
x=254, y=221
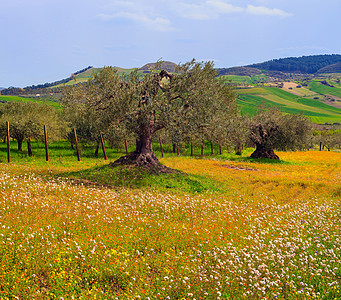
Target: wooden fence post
x=191, y=147
x=46, y=144
x=220, y=149
x=103, y=147
x=8, y=144
x=161, y=146
x=76, y=142
x=126, y=145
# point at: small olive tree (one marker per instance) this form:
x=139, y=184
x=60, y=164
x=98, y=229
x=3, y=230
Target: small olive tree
x=27, y=120
x=271, y=129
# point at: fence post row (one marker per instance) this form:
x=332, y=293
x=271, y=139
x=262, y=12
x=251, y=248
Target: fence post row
x=46, y=144
x=8, y=144
x=126, y=146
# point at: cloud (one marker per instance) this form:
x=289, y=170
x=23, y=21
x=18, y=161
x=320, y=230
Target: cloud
x=262, y=10
x=210, y=9
x=156, y=23
x=157, y=15
x=224, y=8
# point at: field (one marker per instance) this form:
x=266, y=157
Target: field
x=250, y=99
x=236, y=228
x=4, y=99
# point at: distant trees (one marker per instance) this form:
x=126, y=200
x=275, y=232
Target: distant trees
x=305, y=64
x=85, y=119
x=27, y=120
x=328, y=138
x=271, y=129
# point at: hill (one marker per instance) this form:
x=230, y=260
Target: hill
x=316, y=95
x=334, y=68
x=304, y=64
x=165, y=65
x=239, y=71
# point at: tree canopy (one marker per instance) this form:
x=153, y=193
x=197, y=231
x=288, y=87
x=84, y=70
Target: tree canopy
x=27, y=120
x=190, y=100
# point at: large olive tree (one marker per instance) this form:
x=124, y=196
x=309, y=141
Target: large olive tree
x=188, y=99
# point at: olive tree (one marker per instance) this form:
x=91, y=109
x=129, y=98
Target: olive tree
x=271, y=129
x=27, y=120
x=187, y=99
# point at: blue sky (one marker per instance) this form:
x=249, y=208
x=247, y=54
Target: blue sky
x=46, y=40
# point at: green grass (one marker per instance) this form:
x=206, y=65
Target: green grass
x=27, y=99
x=140, y=178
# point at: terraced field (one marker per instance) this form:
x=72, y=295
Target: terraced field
x=320, y=112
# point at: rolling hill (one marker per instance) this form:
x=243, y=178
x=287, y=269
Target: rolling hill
x=315, y=95
x=305, y=64
x=249, y=99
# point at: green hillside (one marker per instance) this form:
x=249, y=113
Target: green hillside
x=4, y=99
x=252, y=98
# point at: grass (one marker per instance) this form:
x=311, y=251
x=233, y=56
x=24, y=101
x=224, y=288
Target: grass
x=234, y=228
x=145, y=180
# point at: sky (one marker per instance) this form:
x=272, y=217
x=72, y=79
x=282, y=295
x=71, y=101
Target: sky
x=47, y=40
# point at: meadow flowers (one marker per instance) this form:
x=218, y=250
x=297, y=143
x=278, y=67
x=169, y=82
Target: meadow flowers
x=275, y=234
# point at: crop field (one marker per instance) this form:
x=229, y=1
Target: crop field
x=319, y=112
x=256, y=230
x=4, y=99
x=248, y=80
x=319, y=88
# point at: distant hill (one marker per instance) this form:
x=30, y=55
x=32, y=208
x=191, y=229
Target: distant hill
x=165, y=65
x=240, y=71
x=334, y=68
x=304, y=64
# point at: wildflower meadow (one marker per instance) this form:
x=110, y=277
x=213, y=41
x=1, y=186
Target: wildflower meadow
x=263, y=230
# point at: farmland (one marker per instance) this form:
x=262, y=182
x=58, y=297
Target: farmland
x=310, y=101
x=4, y=99
x=241, y=229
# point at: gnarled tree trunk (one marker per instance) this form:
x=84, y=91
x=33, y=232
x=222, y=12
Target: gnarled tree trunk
x=144, y=155
x=29, y=148
x=264, y=152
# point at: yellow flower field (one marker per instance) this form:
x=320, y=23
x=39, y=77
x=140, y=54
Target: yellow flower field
x=272, y=232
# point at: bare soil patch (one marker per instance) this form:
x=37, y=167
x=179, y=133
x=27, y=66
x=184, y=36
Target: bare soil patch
x=236, y=167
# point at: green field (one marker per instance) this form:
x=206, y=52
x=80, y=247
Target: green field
x=319, y=88
x=251, y=99
x=4, y=99
x=247, y=80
